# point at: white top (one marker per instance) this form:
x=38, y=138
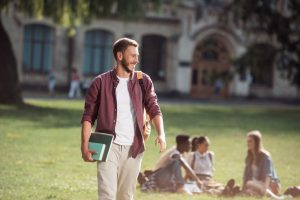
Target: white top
x=125, y=123
x=166, y=158
x=203, y=162
x=254, y=169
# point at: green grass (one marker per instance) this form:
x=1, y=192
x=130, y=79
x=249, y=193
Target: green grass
x=41, y=159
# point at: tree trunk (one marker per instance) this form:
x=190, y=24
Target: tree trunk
x=70, y=57
x=10, y=90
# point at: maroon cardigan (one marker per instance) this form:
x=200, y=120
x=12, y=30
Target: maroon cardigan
x=101, y=105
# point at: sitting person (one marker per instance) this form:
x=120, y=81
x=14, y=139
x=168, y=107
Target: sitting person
x=259, y=174
x=201, y=161
x=193, y=149
x=292, y=192
x=194, y=144
x=167, y=175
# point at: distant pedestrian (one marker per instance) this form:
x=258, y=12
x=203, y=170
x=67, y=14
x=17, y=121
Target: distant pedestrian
x=218, y=86
x=51, y=83
x=84, y=86
x=75, y=84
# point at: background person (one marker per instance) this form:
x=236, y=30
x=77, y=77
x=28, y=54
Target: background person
x=51, y=83
x=202, y=162
x=260, y=177
x=167, y=175
x=75, y=84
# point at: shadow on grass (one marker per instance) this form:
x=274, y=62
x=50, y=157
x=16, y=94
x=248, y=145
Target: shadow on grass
x=184, y=117
x=278, y=121
x=45, y=117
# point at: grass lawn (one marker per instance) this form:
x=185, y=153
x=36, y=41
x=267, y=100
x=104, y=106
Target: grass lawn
x=41, y=159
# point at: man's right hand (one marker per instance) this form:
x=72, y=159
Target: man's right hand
x=87, y=155
x=85, y=135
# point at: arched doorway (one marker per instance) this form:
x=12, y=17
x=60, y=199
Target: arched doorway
x=210, y=69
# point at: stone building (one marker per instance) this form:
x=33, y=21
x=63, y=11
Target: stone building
x=184, y=48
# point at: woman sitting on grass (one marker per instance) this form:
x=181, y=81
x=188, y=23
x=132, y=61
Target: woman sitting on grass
x=202, y=162
x=259, y=174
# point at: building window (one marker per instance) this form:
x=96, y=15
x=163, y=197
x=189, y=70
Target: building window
x=154, y=53
x=37, y=48
x=97, y=52
x=210, y=55
x=195, y=77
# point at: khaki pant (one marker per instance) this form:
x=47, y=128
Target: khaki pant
x=117, y=176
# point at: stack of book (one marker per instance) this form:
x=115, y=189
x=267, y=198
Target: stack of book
x=101, y=144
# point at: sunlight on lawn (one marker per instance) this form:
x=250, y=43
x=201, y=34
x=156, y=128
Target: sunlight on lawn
x=41, y=159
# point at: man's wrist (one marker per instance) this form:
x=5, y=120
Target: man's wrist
x=161, y=134
x=84, y=146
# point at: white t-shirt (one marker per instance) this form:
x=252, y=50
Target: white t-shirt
x=254, y=169
x=166, y=158
x=125, y=123
x=203, y=162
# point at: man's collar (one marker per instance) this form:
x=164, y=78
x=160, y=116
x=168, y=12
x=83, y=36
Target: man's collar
x=115, y=77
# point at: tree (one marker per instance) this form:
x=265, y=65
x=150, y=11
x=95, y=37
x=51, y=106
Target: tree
x=10, y=91
x=69, y=13
x=269, y=17
x=261, y=66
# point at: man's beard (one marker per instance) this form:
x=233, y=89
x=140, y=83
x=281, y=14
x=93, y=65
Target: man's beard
x=125, y=64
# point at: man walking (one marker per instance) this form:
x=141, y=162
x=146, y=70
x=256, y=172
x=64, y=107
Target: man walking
x=115, y=99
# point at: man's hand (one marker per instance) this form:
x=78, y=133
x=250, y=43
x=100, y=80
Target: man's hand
x=159, y=127
x=85, y=135
x=161, y=141
x=87, y=155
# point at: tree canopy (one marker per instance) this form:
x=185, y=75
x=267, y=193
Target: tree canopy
x=279, y=21
x=71, y=13
x=68, y=13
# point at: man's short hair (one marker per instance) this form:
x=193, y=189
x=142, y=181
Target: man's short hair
x=122, y=44
x=181, y=139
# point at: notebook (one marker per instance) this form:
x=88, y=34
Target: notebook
x=102, y=143
x=99, y=148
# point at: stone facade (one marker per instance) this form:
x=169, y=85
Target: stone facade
x=177, y=32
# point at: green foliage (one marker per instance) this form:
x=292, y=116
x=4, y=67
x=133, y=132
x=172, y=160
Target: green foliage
x=41, y=159
x=259, y=58
x=71, y=13
x=265, y=15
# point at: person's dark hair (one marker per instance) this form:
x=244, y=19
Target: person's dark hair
x=121, y=45
x=202, y=139
x=194, y=143
x=181, y=139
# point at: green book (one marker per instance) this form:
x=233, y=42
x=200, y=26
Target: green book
x=103, y=139
x=99, y=148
